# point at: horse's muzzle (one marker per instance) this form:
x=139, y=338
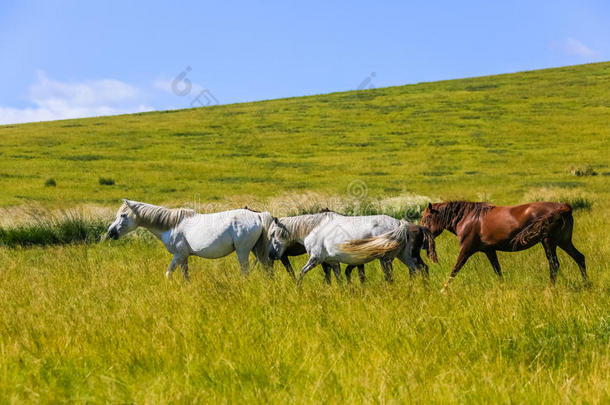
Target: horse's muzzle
x=113, y=234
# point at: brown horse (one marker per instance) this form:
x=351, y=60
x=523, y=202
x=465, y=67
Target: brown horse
x=484, y=227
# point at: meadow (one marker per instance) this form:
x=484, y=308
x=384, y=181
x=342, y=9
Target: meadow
x=90, y=320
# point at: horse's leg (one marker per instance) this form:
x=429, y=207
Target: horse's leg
x=578, y=257
x=287, y=266
x=550, y=248
x=185, y=268
x=423, y=267
x=267, y=267
x=172, y=267
x=361, y=273
x=311, y=263
x=348, y=272
x=465, y=253
x=420, y=265
x=243, y=256
x=327, y=270
x=493, y=259
x=406, y=258
x=386, y=266
x=337, y=270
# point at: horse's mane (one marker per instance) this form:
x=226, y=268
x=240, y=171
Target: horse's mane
x=452, y=212
x=250, y=209
x=156, y=216
x=294, y=227
x=323, y=210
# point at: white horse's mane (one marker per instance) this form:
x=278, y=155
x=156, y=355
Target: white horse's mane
x=155, y=216
x=291, y=228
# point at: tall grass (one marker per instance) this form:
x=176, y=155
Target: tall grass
x=100, y=323
x=54, y=228
x=409, y=208
x=578, y=199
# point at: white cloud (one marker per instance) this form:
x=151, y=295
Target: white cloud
x=163, y=85
x=54, y=100
x=573, y=46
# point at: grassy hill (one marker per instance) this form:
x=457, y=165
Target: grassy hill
x=497, y=136
x=99, y=323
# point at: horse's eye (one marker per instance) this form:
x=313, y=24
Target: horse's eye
x=123, y=215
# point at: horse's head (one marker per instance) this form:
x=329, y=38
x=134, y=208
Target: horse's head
x=278, y=239
x=124, y=222
x=431, y=220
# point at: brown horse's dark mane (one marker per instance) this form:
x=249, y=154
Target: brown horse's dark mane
x=450, y=213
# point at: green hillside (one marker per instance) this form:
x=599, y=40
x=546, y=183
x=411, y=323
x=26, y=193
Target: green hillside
x=497, y=136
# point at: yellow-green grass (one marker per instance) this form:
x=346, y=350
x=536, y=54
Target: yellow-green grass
x=99, y=322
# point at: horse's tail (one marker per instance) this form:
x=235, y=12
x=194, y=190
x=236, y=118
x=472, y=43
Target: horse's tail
x=262, y=244
x=378, y=246
x=542, y=226
x=430, y=245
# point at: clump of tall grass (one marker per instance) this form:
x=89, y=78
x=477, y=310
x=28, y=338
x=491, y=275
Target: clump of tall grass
x=582, y=171
x=48, y=228
x=106, y=181
x=577, y=199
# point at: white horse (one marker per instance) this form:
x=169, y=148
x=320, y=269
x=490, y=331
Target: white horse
x=390, y=245
x=322, y=241
x=293, y=230
x=184, y=232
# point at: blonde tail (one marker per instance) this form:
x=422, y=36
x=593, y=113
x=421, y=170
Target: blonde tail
x=388, y=244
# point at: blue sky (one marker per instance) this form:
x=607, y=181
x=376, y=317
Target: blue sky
x=68, y=59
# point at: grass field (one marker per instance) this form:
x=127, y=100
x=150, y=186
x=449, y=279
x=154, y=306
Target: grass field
x=98, y=322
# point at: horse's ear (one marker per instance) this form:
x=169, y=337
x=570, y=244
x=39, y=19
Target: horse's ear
x=430, y=208
x=275, y=221
x=128, y=202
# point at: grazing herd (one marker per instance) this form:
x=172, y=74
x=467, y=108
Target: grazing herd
x=331, y=239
